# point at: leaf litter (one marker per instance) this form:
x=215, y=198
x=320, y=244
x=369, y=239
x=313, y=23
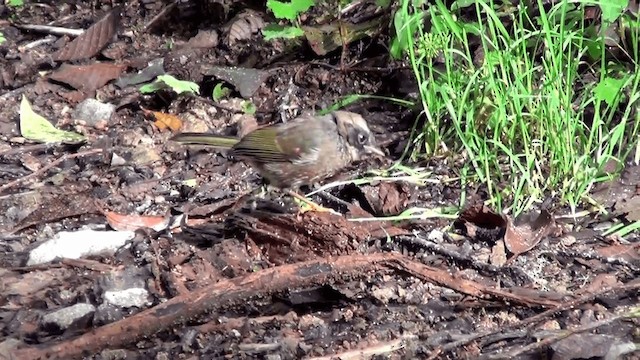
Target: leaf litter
x=241, y=266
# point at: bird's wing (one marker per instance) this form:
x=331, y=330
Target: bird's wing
x=295, y=142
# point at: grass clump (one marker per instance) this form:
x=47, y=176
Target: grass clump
x=530, y=96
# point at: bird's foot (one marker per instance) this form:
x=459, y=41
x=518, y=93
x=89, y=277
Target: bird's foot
x=311, y=206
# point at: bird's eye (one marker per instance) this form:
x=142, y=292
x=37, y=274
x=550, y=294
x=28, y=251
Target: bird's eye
x=362, y=138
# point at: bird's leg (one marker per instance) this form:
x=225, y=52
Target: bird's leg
x=312, y=205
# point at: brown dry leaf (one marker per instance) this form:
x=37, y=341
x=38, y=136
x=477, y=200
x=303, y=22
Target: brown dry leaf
x=204, y=39
x=164, y=120
x=244, y=26
x=524, y=237
x=482, y=223
x=93, y=40
x=325, y=38
x=87, y=78
x=121, y=222
x=387, y=198
x=73, y=97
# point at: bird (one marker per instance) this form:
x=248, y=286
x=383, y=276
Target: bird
x=302, y=151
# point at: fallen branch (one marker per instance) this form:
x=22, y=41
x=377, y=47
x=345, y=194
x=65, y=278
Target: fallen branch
x=224, y=293
x=188, y=307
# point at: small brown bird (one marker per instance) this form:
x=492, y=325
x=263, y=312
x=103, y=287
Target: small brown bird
x=300, y=152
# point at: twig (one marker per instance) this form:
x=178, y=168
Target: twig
x=47, y=40
x=55, y=30
x=161, y=15
x=25, y=149
x=47, y=167
x=370, y=351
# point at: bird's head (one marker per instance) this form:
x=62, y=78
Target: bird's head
x=359, y=139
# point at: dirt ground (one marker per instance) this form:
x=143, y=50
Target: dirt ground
x=195, y=263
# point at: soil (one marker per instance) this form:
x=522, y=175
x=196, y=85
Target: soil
x=211, y=267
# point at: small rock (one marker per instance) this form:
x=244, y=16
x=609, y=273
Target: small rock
x=125, y=288
x=65, y=317
x=143, y=155
x=568, y=240
x=436, y=236
x=304, y=348
x=117, y=354
x=75, y=244
x=307, y=321
x=162, y=356
x=134, y=297
x=93, y=112
x=384, y=294
x=194, y=123
x=204, y=39
x=117, y=160
x=106, y=314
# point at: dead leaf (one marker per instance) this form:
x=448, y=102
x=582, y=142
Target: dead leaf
x=93, y=40
x=244, y=26
x=164, y=120
x=326, y=38
x=71, y=200
x=87, y=78
x=524, y=237
x=387, y=198
x=122, y=222
x=481, y=223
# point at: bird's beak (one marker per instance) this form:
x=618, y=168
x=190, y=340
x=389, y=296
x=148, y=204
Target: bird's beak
x=373, y=150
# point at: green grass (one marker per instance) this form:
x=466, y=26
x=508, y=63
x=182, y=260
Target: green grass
x=524, y=117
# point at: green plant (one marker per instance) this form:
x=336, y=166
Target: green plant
x=220, y=92
x=170, y=82
x=15, y=3
x=522, y=115
x=2, y=38
x=287, y=11
x=248, y=107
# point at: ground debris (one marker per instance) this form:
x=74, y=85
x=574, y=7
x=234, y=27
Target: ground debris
x=213, y=267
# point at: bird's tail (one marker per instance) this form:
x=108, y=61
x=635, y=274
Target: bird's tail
x=222, y=142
